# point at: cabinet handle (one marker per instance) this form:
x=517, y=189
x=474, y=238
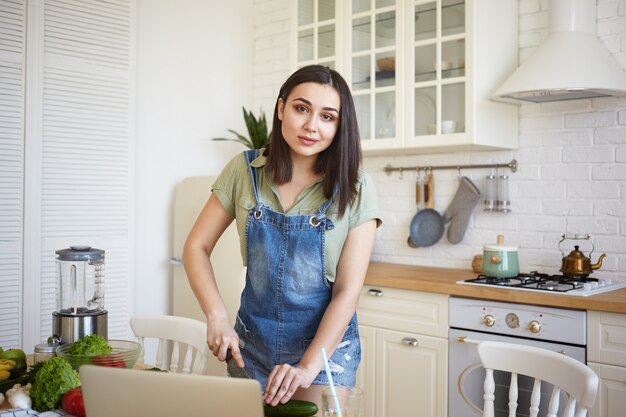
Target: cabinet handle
x=410, y=341
x=175, y=261
x=375, y=292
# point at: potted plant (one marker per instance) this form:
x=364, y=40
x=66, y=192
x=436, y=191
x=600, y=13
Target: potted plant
x=258, y=133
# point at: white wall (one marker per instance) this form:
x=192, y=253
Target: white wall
x=572, y=158
x=194, y=72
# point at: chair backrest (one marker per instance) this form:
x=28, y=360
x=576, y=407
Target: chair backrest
x=576, y=380
x=176, y=335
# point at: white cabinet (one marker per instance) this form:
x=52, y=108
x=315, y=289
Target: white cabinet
x=421, y=71
x=404, y=352
x=606, y=355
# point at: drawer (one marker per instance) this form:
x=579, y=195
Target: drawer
x=606, y=341
x=404, y=310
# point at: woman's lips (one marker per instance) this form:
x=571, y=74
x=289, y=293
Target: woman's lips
x=307, y=140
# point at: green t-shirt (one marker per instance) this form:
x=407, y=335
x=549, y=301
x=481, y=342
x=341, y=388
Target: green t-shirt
x=233, y=188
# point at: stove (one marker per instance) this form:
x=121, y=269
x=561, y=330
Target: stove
x=558, y=284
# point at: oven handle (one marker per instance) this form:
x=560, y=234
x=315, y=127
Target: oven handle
x=467, y=339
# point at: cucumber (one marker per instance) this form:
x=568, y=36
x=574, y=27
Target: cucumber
x=292, y=408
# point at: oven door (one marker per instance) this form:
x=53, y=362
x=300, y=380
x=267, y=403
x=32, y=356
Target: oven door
x=466, y=375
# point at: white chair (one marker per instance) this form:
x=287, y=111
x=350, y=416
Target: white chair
x=576, y=380
x=175, y=334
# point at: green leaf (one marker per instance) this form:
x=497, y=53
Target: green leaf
x=258, y=132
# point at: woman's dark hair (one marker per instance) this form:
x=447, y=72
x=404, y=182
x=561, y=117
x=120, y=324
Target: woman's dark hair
x=340, y=162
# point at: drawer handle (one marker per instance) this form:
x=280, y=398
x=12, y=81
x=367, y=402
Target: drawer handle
x=410, y=341
x=375, y=292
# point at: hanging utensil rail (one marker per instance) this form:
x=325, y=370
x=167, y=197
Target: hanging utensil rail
x=511, y=165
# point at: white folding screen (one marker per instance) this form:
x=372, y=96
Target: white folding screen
x=12, y=21
x=77, y=147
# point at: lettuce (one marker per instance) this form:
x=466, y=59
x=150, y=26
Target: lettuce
x=89, y=346
x=55, y=377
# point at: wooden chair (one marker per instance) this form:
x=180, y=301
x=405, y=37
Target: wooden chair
x=576, y=380
x=178, y=335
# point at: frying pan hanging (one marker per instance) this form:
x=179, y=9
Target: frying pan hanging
x=427, y=225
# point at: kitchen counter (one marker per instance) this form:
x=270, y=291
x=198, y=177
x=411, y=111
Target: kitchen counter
x=443, y=281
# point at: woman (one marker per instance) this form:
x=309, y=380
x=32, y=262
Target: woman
x=307, y=218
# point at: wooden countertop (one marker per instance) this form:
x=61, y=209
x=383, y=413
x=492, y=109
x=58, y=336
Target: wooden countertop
x=443, y=281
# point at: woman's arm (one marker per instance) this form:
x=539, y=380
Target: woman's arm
x=208, y=228
x=284, y=380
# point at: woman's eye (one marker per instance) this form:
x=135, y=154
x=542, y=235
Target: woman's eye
x=301, y=109
x=328, y=117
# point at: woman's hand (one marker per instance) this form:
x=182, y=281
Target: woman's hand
x=222, y=338
x=283, y=382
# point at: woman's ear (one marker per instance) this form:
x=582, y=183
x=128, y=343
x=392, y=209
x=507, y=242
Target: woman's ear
x=281, y=109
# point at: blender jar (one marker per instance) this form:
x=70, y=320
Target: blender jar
x=80, y=295
x=80, y=280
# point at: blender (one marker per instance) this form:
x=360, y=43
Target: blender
x=80, y=295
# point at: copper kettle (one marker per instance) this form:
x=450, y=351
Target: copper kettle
x=576, y=263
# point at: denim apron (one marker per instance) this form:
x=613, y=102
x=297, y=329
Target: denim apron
x=286, y=293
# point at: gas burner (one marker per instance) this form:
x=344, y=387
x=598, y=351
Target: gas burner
x=559, y=284
x=548, y=285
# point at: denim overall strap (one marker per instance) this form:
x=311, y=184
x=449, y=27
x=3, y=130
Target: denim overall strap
x=287, y=292
x=251, y=155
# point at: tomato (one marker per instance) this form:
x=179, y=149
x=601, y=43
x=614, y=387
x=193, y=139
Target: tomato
x=73, y=402
x=110, y=362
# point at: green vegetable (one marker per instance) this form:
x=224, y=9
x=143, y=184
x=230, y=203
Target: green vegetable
x=90, y=345
x=55, y=377
x=28, y=377
x=292, y=408
x=155, y=369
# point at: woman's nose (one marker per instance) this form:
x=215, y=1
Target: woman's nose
x=311, y=124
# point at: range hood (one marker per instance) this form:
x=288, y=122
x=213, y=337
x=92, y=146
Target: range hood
x=572, y=63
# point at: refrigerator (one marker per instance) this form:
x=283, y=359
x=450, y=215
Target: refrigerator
x=190, y=197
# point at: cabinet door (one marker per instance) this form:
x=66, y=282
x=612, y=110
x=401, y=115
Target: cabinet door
x=316, y=32
x=12, y=52
x=366, y=376
x=374, y=68
x=611, y=399
x=607, y=338
x=412, y=375
x=437, y=55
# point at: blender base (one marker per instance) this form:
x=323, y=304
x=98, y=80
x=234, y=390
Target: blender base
x=70, y=328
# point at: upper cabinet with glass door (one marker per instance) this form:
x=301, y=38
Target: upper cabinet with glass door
x=316, y=32
x=374, y=68
x=421, y=71
x=460, y=51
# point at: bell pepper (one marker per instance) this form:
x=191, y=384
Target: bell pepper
x=73, y=402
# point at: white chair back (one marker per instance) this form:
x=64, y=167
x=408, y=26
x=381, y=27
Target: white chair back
x=576, y=380
x=175, y=336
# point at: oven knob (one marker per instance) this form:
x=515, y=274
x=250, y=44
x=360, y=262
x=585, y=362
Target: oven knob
x=489, y=320
x=534, y=326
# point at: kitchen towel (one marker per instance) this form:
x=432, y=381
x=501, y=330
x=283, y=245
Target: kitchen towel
x=460, y=209
x=23, y=412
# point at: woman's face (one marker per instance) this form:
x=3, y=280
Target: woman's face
x=310, y=118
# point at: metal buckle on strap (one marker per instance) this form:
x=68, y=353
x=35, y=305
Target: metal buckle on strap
x=313, y=221
x=258, y=214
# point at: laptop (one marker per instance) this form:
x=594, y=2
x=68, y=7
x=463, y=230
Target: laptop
x=120, y=392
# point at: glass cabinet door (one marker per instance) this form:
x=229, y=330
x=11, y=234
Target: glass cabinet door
x=373, y=40
x=316, y=32
x=439, y=67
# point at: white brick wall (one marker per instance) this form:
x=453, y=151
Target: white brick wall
x=572, y=161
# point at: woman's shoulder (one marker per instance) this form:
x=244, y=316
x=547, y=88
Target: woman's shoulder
x=364, y=180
